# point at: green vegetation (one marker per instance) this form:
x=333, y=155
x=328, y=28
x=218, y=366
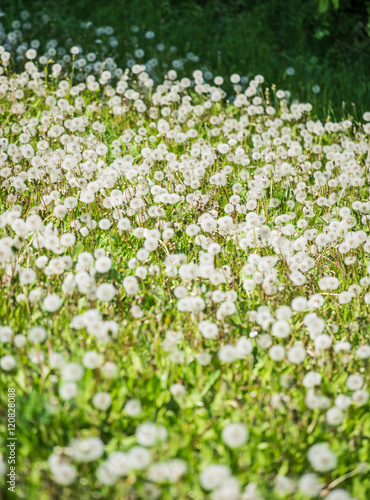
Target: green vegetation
x=184, y=253
x=326, y=46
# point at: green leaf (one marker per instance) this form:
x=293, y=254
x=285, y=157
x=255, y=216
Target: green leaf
x=323, y=6
x=212, y=379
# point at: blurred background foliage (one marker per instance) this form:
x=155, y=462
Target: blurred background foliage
x=327, y=42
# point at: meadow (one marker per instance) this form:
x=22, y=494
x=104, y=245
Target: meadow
x=184, y=276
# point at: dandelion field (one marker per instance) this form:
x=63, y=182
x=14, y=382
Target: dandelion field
x=185, y=282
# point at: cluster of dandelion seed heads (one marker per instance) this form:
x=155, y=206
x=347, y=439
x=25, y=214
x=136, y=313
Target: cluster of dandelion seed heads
x=156, y=228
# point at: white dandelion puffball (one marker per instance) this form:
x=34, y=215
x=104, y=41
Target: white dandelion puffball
x=235, y=435
x=321, y=457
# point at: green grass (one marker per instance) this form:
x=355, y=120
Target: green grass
x=324, y=187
